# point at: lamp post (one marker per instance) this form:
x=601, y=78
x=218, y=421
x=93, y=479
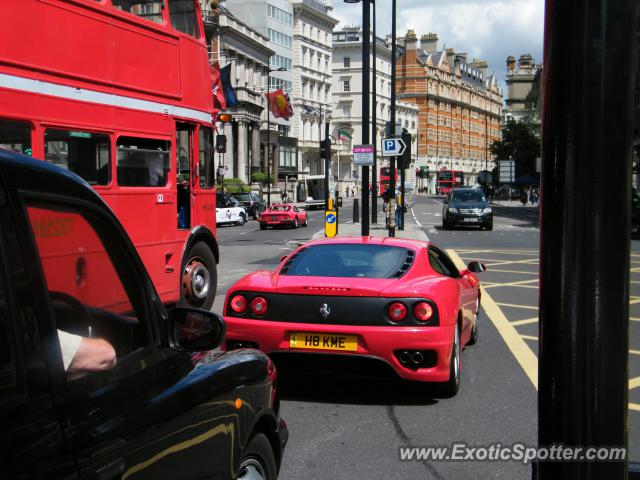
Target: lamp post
x=392, y=160
x=366, y=88
x=374, y=130
x=269, y=163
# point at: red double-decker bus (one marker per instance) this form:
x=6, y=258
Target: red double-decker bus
x=119, y=92
x=448, y=179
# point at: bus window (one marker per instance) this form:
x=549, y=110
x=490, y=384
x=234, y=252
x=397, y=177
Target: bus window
x=149, y=9
x=142, y=162
x=183, y=17
x=84, y=153
x=15, y=136
x=206, y=168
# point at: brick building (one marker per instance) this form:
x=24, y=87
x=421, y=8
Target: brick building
x=460, y=106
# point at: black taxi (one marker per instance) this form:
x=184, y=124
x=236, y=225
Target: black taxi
x=97, y=378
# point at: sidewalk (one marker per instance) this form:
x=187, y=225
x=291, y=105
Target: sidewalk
x=411, y=230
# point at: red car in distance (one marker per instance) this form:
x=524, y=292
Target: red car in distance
x=283, y=214
x=397, y=301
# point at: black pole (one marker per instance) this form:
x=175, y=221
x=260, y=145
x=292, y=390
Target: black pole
x=402, y=167
x=327, y=159
x=268, y=143
x=589, y=68
x=392, y=160
x=374, y=121
x=366, y=51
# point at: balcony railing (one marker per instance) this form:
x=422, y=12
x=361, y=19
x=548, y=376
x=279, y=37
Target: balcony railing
x=210, y=17
x=315, y=5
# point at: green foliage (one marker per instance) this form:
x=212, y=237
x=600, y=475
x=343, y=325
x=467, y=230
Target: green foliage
x=235, y=185
x=261, y=177
x=521, y=143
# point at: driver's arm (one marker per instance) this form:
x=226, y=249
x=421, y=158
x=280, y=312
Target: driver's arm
x=81, y=354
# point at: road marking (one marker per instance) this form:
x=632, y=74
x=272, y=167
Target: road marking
x=634, y=352
x=514, y=271
x=527, y=307
x=520, y=350
x=635, y=319
x=526, y=321
x=529, y=337
x=531, y=261
x=634, y=300
x=521, y=283
x=634, y=406
x=414, y=218
x=634, y=383
x=502, y=252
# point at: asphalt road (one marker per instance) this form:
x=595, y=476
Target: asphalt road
x=346, y=428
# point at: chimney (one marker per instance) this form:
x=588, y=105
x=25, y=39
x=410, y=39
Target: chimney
x=429, y=42
x=482, y=66
x=410, y=40
x=511, y=63
x=451, y=56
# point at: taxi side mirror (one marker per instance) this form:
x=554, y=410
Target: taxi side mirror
x=194, y=330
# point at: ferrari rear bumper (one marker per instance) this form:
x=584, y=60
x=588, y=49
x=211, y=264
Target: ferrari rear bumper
x=384, y=343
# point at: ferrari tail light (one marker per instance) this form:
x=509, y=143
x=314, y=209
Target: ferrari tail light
x=259, y=305
x=397, y=311
x=423, y=311
x=238, y=303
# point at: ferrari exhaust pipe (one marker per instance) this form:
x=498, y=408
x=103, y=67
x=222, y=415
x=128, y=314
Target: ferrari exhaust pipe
x=404, y=357
x=417, y=358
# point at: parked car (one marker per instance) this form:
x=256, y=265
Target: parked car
x=467, y=206
x=228, y=212
x=158, y=403
x=283, y=215
x=399, y=304
x=252, y=202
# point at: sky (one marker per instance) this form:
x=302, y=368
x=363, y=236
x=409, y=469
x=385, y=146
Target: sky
x=489, y=30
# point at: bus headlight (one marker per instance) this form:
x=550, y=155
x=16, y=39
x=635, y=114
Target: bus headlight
x=452, y=210
x=486, y=210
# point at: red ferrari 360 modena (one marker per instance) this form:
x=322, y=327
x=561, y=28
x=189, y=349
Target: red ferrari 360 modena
x=402, y=302
x=283, y=215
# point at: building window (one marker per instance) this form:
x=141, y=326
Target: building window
x=279, y=38
x=278, y=61
x=346, y=86
x=280, y=15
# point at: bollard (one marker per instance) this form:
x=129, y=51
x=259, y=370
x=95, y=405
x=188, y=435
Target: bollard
x=356, y=211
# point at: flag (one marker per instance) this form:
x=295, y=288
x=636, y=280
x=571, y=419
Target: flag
x=218, y=94
x=229, y=92
x=344, y=135
x=279, y=104
x=310, y=110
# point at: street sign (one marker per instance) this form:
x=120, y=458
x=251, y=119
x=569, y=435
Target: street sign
x=506, y=171
x=363, y=154
x=330, y=223
x=392, y=147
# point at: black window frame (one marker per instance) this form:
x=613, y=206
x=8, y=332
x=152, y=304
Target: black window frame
x=122, y=181
x=444, y=261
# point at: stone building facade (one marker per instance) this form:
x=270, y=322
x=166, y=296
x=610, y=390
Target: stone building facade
x=523, y=89
x=460, y=107
x=233, y=42
x=347, y=103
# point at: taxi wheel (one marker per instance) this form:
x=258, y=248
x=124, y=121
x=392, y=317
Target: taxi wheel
x=199, y=278
x=241, y=221
x=258, y=461
x=451, y=387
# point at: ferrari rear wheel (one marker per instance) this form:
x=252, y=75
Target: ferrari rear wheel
x=450, y=388
x=296, y=224
x=306, y=222
x=474, y=331
x=263, y=227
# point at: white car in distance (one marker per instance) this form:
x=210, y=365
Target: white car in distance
x=229, y=212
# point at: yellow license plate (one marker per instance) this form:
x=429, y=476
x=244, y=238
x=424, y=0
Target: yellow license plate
x=324, y=341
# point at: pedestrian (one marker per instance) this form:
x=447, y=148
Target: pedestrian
x=284, y=196
x=523, y=197
x=346, y=191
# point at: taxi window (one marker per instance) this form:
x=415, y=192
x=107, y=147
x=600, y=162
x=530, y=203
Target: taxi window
x=87, y=294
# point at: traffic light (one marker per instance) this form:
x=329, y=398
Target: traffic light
x=325, y=149
x=405, y=160
x=221, y=143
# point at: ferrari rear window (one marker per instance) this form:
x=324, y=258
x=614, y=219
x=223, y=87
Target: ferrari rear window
x=350, y=260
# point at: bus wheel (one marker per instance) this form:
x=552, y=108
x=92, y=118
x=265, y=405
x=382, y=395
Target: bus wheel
x=199, y=278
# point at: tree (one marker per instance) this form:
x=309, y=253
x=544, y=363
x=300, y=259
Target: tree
x=519, y=142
